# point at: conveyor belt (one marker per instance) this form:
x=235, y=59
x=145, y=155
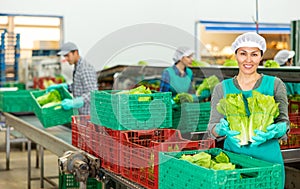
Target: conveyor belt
x=56, y=139
x=291, y=155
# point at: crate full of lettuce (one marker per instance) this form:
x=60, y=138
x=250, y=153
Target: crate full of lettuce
x=216, y=169
x=47, y=107
x=135, y=109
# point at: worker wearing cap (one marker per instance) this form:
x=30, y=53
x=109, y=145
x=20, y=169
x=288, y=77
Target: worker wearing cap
x=178, y=78
x=285, y=58
x=249, y=49
x=84, y=80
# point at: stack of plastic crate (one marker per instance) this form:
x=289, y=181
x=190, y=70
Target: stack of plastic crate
x=293, y=140
x=128, y=131
x=121, y=111
x=139, y=154
x=80, y=132
x=9, y=57
x=191, y=117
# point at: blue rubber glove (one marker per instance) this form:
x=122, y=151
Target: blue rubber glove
x=56, y=86
x=68, y=104
x=222, y=129
x=260, y=137
x=172, y=101
x=204, y=94
x=276, y=130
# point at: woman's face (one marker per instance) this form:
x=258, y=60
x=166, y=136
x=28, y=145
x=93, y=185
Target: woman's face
x=248, y=59
x=187, y=60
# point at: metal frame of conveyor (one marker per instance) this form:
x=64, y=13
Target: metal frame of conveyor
x=51, y=140
x=58, y=141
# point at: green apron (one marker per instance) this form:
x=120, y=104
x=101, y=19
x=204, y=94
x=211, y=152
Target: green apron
x=292, y=88
x=268, y=151
x=179, y=84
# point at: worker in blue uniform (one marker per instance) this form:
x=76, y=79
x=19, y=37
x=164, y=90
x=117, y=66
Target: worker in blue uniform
x=179, y=77
x=285, y=58
x=249, y=49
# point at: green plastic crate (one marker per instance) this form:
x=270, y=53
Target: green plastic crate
x=128, y=112
x=190, y=117
x=68, y=181
x=16, y=101
x=250, y=173
x=20, y=86
x=54, y=115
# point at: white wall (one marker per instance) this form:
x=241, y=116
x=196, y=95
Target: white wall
x=90, y=21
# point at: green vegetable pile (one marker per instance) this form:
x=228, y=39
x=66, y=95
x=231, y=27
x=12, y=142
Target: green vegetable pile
x=230, y=62
x=151, y=84
x=219, y=162
x=208, y=84
x=196, y=63
x=138, y=90
x=183, y=98
x=262, y=108
x=142, y=63
x=49, y=99
x=271, y=64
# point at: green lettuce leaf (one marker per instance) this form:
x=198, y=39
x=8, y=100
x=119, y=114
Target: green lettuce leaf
x=233, y=108
x=207, y=84
x=263, y=110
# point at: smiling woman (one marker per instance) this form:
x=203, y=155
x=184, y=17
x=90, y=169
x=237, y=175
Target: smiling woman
x=249, y=49
x=248, y=59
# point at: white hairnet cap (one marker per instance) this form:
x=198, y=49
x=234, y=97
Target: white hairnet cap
x=283, y=55
x=181, y=52
x=249, y=39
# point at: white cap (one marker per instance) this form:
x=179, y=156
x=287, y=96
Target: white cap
x=283, y=55
x=181, y=52
x=66, y=48
x=249, y=39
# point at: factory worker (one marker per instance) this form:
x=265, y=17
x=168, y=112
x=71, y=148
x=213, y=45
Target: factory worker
x=84, y=80
x=179, y=77
x=249, y=49
x=285, y=58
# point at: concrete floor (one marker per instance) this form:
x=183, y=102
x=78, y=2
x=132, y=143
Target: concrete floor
x=16, y=177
